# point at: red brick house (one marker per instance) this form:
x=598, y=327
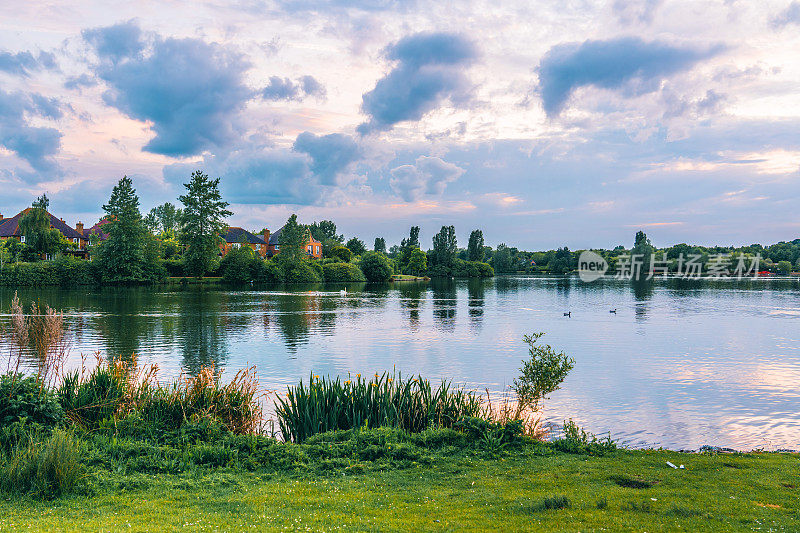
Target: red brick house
x=237, y=237
x=313, y=246
x=9, y=229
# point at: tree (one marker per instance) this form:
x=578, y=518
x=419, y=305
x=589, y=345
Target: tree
x=340, y=252
x=408, y=245
x=376, y=266
x=642, y=251
x=501, y=260
x=445, y=247
x=124, y=256
x=380, y=245
x=35, y=226
x=784, y=267
x=417, y=262
x=475, y=246
x=356, y=246
x=325, y=229
x=293, y=240
x=202, y=222
x=164, y=218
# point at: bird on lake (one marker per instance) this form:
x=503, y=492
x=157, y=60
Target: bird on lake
x=613, y=311
x=343, y=292
x=569, y=314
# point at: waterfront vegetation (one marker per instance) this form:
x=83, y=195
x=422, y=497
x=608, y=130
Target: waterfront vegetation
x=109, y=445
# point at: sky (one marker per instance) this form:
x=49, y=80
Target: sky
x=543, y=124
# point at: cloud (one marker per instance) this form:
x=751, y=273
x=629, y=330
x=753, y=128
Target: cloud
x=330, y=155
x=790, y=15
x=35, y=144
x=624, y=63
x=23, y=63
x=628, y=12
x=429, y=71
x=117, y=42
x=190, y=91
x=77, y=82
x=428, y=175
x=286, y=89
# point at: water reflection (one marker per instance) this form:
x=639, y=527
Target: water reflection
x=680, y=364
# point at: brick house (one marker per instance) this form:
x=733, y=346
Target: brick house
x=313, y=247
x=237, y=237
x=9, y=229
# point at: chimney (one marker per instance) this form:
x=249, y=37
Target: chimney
x=266, y=236
x=1, y=216
x=62, y=220
x=79, y=227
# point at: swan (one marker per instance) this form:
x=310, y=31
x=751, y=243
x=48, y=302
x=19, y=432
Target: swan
x=343, y=292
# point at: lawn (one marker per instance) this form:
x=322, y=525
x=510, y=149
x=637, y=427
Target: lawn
x=520, y=490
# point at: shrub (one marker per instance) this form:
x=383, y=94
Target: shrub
x=542, y=374
x=241, y=265
x=342, y=272
x=340, y=252
x=376, y=266
x=24, y=398
x=44, y=469
x=387, y=400
x=174, y=267
x=301, y=272
x=89, y=401
x=576, y=440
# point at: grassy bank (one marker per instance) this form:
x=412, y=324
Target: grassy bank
x=519, y=490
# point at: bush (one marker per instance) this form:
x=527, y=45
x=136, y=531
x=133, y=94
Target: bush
x=342, y=253
x=301, y=272
x=26, y=399
x=542, y=374
x=342, y=272
x=88, y=402
x=472, y=269
x=44, y=469
x=376, y=266
x=174, y=267
x=241, y=265
x=576, y=440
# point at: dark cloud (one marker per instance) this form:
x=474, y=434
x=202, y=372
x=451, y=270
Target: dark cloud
x=429, y=70
x=330, y=155
x=191, y=91
x=23, y=63
x=285, y=89
x=36, y=145
x=790, y=15
x=625, y=63
x=428, y=175
x=117, y=42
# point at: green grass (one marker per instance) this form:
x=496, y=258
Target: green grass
x=407, y=277
x=465, y=490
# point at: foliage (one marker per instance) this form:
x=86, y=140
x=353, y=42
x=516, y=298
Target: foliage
x=475, y=247
x=130, y=254
x=242, y=265
x=356, y=246
x=340, y=252
x=472, y=269
x=444, y=249
x=64, y=271
x=164, y=219
x=576, y=440
x=26, y=399
x=91, y=400
x=300, y=272
x=40, y=238
x=644, y=250
x=342, y=272
x=293, y=238
x=382, y=401
x=44, y=469
x=784, y=267
x=380, y=245
x=417, y=263
x=541, y=374
x=202, y=222
x=376, y=266
x=501, y=260
x=325, y=230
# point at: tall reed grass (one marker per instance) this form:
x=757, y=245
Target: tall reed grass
x=387, y=400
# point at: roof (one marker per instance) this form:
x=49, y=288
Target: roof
x=10, y=226
x=97, y=229
x=236, y=234
x=275, y=238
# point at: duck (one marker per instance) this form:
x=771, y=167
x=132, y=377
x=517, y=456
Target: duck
x=568, y=313
x=613, y=311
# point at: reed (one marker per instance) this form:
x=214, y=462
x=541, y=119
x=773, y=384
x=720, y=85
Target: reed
x=387, y=400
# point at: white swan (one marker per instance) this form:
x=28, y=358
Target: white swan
x=343, y=292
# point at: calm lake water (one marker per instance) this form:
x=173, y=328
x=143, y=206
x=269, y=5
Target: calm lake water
x=681, y=364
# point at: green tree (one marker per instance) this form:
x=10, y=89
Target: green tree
x=325, y=232
x=293, y=240
x=376, y=266
x=445, y=247
x=202, y=222
x=784, y=267
x=475, y=246
x=562, y=261
x=341, y=252
x=164, y=218
x=642, y=251
x=130, y=254
x=380, y=245
x=356, y=246
x=417, y=262
x=407, y=246
x=35, y=226
x=501, y=260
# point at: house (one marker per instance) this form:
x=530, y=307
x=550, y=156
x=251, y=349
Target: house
x=237, y=237
x=9, y=229
x=96, y=230
x=313, y=246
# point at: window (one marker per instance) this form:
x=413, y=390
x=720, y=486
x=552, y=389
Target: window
x=277, y=246
x=236, y=245
x=309, y=249
x=22, y=239
x=317, y=249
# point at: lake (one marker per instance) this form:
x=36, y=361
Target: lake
x=682, y=363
